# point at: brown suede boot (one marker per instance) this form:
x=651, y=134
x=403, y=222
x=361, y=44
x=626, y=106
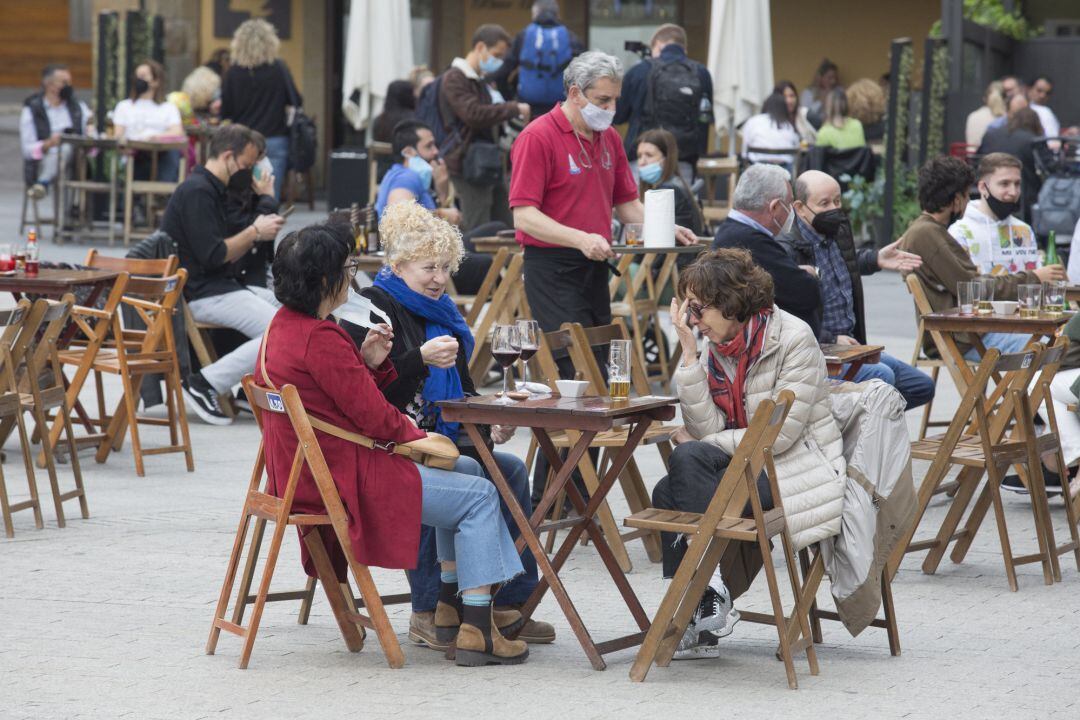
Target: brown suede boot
x=447, y=622
x=476, y=647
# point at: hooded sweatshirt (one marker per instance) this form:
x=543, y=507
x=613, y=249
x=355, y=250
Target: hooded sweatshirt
x=996, y=246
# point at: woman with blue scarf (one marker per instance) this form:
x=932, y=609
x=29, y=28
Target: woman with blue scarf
x=431, y=351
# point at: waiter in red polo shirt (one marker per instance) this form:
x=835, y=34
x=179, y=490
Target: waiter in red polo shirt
x=569, y=173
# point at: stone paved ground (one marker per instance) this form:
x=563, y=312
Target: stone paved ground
x=108, y=617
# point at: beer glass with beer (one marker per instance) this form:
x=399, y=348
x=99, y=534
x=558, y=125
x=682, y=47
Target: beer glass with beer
x=619, y=369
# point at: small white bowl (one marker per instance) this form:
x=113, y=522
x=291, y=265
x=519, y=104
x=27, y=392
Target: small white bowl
x=1004, y=307
x=572, y=388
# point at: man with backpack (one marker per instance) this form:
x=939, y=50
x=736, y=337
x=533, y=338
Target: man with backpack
x=669, y=91
x=466, y=121
x=540, y=54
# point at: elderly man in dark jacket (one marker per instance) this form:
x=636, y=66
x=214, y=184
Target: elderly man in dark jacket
x=821, y=236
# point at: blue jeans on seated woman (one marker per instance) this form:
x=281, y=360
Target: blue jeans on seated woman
x=277, y=152
x=915, y=386
x=424, y=580
x=1005, y=342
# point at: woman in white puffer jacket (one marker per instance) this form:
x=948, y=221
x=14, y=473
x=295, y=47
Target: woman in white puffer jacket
x=754, y=351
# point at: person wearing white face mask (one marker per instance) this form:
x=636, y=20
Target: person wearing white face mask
x=569, y=174
x=473, y=121
x=762, y=209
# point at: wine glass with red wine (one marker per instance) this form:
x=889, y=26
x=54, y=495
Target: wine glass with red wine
x=506, y=349
x=529, y=334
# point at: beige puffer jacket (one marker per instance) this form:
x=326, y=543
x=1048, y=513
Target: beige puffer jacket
x=809, y=450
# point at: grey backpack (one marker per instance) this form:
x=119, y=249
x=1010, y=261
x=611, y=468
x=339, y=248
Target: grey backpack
x=1058, y=208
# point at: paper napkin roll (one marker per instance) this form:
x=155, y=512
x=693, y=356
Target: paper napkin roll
x=659, y=227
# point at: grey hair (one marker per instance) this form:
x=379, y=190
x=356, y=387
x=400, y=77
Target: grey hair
x=759, y=185
x=540, y=6
x=588, y=67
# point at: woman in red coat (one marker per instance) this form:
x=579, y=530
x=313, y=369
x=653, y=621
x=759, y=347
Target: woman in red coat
x=386, y=496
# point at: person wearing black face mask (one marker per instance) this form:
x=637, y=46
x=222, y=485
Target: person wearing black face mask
x=997, y=240
x=246, y=199
x=821, y=236
x=45, y=116
x=146, y=116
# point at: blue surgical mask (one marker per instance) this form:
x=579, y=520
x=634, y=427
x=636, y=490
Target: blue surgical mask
x=421, y=167
x=651, y=173
x=491, y=64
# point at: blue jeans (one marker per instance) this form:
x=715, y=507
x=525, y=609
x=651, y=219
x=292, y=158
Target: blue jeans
x=1005, y=342
x=916, y=386
x=277, y=152
x=461, y=511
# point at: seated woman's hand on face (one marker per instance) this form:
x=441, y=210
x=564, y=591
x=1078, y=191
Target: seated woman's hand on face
x=377, y=345
x=679, y=312
x=440, y=352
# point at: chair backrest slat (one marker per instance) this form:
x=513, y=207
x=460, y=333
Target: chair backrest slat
x=134, y=266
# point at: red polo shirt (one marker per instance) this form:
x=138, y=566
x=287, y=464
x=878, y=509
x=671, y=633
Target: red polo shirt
x=552, y=172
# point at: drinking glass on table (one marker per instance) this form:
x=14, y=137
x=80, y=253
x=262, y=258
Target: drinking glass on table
x=1053, y=301
x=529, y=335
x=632, y=234
x=7, y=261
x=506, y=349
x=1029, y=298
x=967, y=296
x=985, y=303
x=619, y=369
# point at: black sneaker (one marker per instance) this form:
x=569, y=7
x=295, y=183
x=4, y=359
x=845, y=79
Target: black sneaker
x=203, y=399
x=240, y=402
x=1012, y=483
x=713, y=609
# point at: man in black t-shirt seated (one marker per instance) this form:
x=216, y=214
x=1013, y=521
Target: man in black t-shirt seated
x=196, y=219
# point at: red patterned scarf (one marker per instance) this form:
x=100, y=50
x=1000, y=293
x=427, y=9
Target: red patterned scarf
x=730, y=396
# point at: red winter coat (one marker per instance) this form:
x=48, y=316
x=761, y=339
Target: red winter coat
x=381, y=492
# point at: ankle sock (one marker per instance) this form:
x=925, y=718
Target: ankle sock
x=477, y=612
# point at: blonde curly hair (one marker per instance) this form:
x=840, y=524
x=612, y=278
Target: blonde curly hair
x=408, y=231
x=866, y=101
x=201, y=86
x=254, y=43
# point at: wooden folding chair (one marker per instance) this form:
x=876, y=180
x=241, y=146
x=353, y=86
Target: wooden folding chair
x=1024, y=407
x=633, y=297
x=278, y=510
x=137, y=354
x=582, y=344
x=975, y=441
x=42, y=389
x=471, y=305
x=148, y=267
x=16, y=322
x=508, y=304
x=709, y=534
x=919, y=359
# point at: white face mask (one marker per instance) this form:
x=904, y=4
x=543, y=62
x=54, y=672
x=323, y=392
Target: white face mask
x=597, y=118
x=786, y=228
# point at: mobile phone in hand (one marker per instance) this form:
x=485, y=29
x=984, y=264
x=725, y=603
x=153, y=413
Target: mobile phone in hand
x=287, y=211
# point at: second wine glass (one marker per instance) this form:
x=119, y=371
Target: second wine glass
x=529, y=336
x=506, y=349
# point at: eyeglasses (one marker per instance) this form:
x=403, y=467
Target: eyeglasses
x=352, y=267
x=696, y=310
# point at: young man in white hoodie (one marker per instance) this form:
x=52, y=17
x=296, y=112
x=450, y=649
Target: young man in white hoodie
x=998, y=242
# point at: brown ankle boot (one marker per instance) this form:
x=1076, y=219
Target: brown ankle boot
x=475, y=649
x=447, y=622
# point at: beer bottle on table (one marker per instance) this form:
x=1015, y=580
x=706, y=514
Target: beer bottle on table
x=31, y=254
x=1051, y=250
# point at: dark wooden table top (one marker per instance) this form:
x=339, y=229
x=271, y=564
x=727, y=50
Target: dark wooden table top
x=836, y=356
x=953, y=321
x=87, y=141
x=676, y=250
x=50, y=281
x=555, y=411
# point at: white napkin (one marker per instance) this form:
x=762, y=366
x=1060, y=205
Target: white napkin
x=659, y=230
x=358, y=310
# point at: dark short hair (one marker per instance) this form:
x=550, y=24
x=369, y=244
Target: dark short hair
x=309, y=266
x=994, y=161
x=405, y=135
x=491, y=35
x=941, y=179
x=1037, y=78
x=669, y=33
x=233, y=137
x=729, y=281
x=48, y=70
x=259, y=141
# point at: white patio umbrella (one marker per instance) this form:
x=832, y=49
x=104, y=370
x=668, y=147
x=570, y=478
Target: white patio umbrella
x=740, y=59
x=378, y=50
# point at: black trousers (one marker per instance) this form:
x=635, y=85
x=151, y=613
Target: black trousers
x=695, y=469
x=562, y=285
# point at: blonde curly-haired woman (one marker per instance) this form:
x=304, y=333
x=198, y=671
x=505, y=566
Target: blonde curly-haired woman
x=256, y=90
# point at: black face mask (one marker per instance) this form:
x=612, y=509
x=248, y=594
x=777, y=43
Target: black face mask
x=828, y=223
x=141, y=86
x=240, y=180
x=1000, y=208
x=66, y=93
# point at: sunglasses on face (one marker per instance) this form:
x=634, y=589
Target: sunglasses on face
x=696, y=309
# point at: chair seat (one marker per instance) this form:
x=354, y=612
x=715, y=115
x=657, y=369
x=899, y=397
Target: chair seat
x=969, y=450
x=617, y=437
x=732, y=528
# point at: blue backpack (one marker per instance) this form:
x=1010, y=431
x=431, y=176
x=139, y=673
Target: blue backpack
x=545, y=53
x=447, y=137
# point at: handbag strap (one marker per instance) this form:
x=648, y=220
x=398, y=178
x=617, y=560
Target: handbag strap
x=290, y=88
x=363, y=440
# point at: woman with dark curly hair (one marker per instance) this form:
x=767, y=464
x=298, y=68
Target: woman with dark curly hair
x=754, y=350
x=387, y=496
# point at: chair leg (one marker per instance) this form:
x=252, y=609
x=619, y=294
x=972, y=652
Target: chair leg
x=604, y=515
x=890, y=614
x=778, y=613
x=50, y=464
x=226, y=586
x=248, y=575
x=353, y=639
x=133, y=423
x=1003, y=533
x=5, y=508
x=28, y=461
x=1044, y=525
x=800, y=615
x=968, y=483
x=177, y=414
x=305, y=604
x=374, y=605
x=694, y=590
x=929, y=405
x=73, y=449
x=260, y=598
x=815, y=621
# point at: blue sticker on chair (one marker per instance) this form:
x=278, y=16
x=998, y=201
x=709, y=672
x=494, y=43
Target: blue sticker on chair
x=275, y=402
x=171, y=285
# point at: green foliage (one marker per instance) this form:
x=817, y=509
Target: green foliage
x=903, y=104
x=992, y=14
x=939, y=87
x=864, y=202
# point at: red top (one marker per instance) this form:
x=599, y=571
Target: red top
x=551, y=172
x=381, y=492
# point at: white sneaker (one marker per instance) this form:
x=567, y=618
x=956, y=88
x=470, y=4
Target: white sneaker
x=713, y=609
